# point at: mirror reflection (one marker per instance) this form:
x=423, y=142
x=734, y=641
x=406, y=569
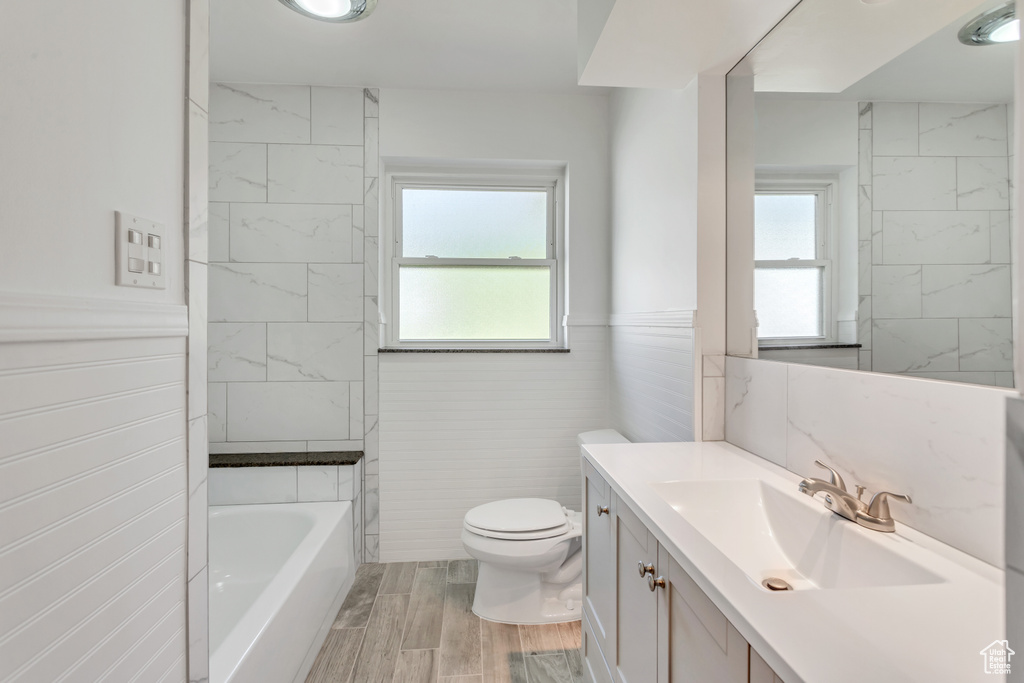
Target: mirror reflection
x=882, y=211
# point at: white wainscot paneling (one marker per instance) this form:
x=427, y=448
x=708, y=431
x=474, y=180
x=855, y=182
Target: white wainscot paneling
x=93, y=509
x=652, y=383
x=259, y=113
x=939, y=442
x=291, y=233
x=462, y=429
x=755, y=407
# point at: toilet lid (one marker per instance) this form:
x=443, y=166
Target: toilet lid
x=518, y=516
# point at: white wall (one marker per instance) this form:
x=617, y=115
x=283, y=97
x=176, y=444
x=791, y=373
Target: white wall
x=654, y=200
x=457, y=430
x=94, y=414
x=92, y=113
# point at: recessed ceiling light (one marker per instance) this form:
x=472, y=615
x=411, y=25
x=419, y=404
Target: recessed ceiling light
x=999, y=25
x=338, y=11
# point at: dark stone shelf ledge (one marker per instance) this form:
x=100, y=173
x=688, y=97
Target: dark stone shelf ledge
x=791, y=347
x=324, y=459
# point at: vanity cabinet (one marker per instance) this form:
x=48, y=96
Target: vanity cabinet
x=631, y=634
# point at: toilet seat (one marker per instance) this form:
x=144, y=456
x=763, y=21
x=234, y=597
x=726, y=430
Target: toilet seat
x=518, y=519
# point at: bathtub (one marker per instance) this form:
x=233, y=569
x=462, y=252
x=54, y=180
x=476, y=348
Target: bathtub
x=278, y=575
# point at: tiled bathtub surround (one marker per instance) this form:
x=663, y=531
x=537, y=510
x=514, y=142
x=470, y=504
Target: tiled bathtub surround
x=1014, y=513
x=935, y=297
x=293, y=251
x=939, y=442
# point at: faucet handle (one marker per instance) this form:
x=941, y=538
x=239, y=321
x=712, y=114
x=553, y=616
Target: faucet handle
x=879, y=505
x=835, y=480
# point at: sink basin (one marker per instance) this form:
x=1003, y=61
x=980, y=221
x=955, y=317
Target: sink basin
x=768, y=533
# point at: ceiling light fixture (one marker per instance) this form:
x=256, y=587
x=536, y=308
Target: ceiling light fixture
x=999, y=25
x=337, y=11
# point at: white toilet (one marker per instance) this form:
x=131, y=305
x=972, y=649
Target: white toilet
x=530, y=555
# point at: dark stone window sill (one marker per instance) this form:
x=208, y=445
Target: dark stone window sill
x=393, y=350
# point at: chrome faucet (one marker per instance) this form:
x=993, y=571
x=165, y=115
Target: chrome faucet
x=873, y=515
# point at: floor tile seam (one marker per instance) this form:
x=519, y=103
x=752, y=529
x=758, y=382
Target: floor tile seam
x=355, y=660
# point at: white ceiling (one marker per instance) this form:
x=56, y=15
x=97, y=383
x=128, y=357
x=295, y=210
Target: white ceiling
x=466, y=44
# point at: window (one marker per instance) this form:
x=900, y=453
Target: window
x=474, y=262
x=792, y=269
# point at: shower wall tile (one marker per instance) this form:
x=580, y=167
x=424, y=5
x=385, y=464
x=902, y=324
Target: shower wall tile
x=259, y=113
x=986, y=344
x=357, y=413
x=238, y=172
x=198, y=461
x=295, y=411
x=317, y=484
x=966, y=291
x=370, y=377
x=257, y=292
x=337, y=445
x=291, y=233
x=371, y=167
x=370, y=207
x=314, y=352
x=983, y=183
x=217, y=416
x=337, y=116
x=935, y=237
x=371, y=503
x=253, y=485
x=914, y=183
x=346, y=482
x=197, y=275
x=371, y=102
x=198, y=192
x=198, y=627
x=371, y=450
x=906, y=345
x=258, y=447
x=864, y=157
x=315, y=174
x=896, y=291
x=755, y=407
x=963, y=129
x=237, y=352
x=894, y=128
x=336, y=292
x=219, y=216
x=999, y=222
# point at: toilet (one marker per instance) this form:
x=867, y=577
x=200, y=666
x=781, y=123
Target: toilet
x=530, y=555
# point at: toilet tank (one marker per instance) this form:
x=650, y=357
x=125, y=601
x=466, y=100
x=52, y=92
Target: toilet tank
x=600, y=436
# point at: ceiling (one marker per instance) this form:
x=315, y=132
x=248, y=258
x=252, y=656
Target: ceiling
x=465, y=44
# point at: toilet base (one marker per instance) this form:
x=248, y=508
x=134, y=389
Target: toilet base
x=510, y=596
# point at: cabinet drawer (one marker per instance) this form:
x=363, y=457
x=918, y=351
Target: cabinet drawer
x=595, y=668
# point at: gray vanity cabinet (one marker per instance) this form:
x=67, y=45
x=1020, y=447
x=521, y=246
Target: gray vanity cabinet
x=631, y=634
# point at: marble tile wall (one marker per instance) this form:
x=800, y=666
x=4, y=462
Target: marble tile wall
x=1014, y=532
x=293, y=288
x=941, y=443
x=935, y=298
x=197, y=256
x=295, y=484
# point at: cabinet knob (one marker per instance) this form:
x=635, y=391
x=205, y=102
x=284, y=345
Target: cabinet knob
x=645, y=569
x=655, y=583
x=602, y=510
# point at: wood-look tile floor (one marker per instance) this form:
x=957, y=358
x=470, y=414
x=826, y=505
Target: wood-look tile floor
x=412, y=622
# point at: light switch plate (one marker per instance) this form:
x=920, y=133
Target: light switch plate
x=125, y=250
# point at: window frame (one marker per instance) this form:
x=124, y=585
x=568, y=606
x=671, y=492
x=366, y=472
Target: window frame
x=826, y=244
x=514, y=179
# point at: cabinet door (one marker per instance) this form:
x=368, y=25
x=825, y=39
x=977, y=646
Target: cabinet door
x=595, y=668
x=760, y=672
x=636, y=652
x=703, y=646
x=599, y=557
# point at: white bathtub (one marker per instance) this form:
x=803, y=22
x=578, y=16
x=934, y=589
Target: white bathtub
x=278, y=575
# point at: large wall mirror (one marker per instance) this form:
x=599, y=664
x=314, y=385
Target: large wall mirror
x=870, y=162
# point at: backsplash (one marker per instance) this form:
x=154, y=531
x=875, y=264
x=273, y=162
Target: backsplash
x=934, y=279
x=293, y=255
x=942, y=443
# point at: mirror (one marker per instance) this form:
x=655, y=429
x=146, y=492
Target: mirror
x=870, y=160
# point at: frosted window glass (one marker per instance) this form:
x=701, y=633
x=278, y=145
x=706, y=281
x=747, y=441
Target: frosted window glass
x=784, y=226
x=474, y=223
x=474, y=302
x=788, y=301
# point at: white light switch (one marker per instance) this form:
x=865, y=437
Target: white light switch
x=139, y=242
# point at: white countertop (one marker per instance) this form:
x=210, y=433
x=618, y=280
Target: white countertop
x=929, y=633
